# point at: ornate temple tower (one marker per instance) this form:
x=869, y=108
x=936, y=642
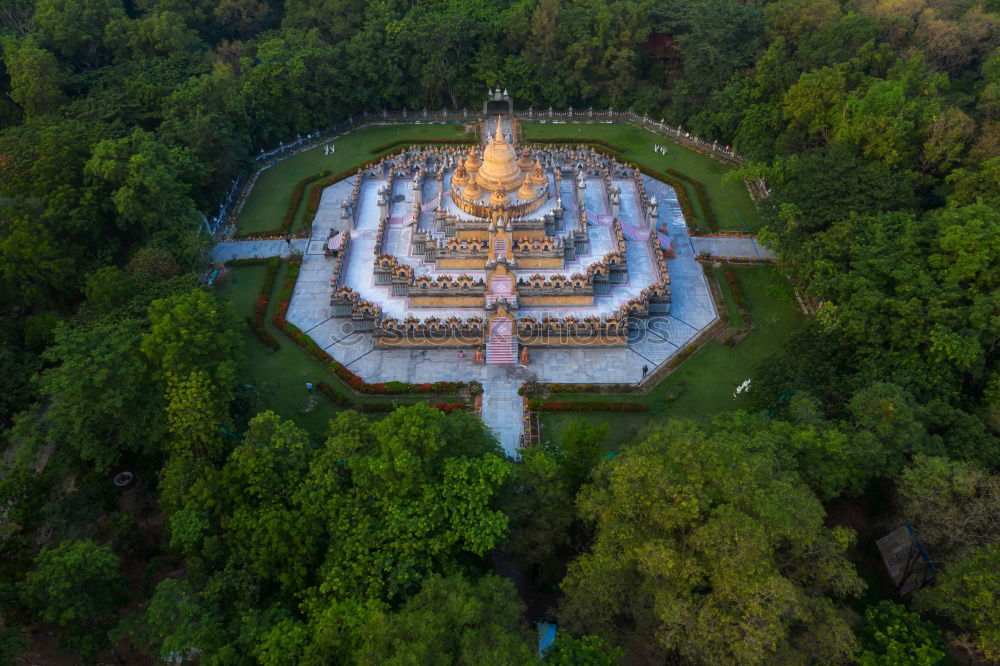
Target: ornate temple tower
x=500, y=168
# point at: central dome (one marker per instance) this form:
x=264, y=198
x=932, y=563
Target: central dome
x=499, y=169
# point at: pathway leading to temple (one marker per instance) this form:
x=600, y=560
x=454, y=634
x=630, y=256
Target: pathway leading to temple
x=250, y=249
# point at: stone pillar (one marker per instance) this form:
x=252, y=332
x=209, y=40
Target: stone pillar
x=383, y=203
x=418, y=195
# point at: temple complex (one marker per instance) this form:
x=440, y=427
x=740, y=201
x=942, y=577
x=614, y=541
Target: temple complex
x=499, y=261
x=497, y=248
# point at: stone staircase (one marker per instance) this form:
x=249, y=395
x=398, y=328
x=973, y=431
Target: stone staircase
x=501, y=348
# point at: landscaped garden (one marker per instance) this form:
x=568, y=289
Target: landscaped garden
x=281, y=374
x=699, y=387
x=704, y=384
x=269, y=199
x=730, y=202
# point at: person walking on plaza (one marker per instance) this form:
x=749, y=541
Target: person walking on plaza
x=461, y=354
x=645, y=371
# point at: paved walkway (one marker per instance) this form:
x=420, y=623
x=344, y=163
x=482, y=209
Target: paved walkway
x=747, y=248
x=248, y=249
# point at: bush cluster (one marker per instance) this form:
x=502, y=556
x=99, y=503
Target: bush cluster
x=734, y=287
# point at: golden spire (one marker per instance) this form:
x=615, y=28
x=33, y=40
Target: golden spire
x=461, y=176
x=525, y=163
x=499, y=134
x=472, y=162
x=537, y=176
x=526, y=192
x=499, y=197
x=472, y=191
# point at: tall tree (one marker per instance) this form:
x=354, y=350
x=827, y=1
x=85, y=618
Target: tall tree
x=707, y=549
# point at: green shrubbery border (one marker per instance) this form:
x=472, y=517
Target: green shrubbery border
x=289, y=217
x=585, y=406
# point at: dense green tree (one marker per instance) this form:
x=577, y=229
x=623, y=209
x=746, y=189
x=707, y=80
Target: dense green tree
x=33, y=267
x=36, y=77
x=450, y=620
x=539, y=505
x=175, y=622
x=193, y=332
x=102, y=401
x=953, y=505
x=891, y=636
x=567, y=650
x=706, y=548
x=76, y=585
x=966, y=593
x=75, y=28
x=147, y=182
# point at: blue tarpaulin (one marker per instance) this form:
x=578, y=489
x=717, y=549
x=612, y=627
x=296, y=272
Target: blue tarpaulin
x=546, y=635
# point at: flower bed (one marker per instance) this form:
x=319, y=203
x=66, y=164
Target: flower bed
x=581, y=406
x=335, y=366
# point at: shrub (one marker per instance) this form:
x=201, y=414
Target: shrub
x=293, y=204
x=734, y=287
x=249, y=261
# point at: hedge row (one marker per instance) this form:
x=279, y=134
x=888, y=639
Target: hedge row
x=293, y=205
x=248, y=261
x=259, y=235
x=699, y=189
x=581, y=406
x=260, y=307
x=682, y=356
x=412, y=142
x=333, y=365
x=381, y=407
x=577, y=140
x=734, y=287
x=591, y=388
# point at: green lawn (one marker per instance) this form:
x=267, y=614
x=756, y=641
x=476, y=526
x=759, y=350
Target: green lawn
x=270, y=196
x=704, y=384
x=724, y=199
x=282, y=375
